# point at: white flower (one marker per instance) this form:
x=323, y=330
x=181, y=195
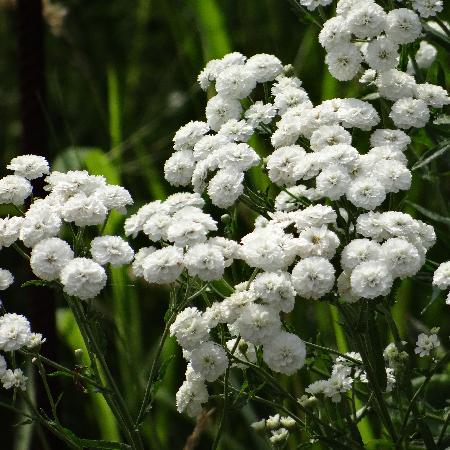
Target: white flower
x=14, y=379
x=289, y=98
x=14, y=332
x=403, y=26
x=228, y=248
x=316, y=241
x=382, y=54
x=355, y=113
x=314, y=216
x=236, y=81
x=178, y=169
x=285, y=165
x=188, y=226
x=205, y=261
x=35, y=340
x=371, y=279
x=135, y=222
x=266, y=248
x=408, y=112
x=236, y=130
x=40, y=222
x=367, y=193
x=401, y=257
x=137, y=268
x=237, y=157
x=282, y=82
x=394, y=84
x=259, y=113
x=426, y=343
x=344, y=61
x=397, y=138
x=111, y=249
x=163, y=266
x=334, y=32
x=226, y=187
x=14, y=189
x=190, y=397
x=83, y=278
x=432, y=95
x=367, y=20
x=425, y=57
x=285, y=353
x=313, y=277
x=427, y=8
x=275, y=290
x=220, y=110
x=114, y=197
x=358, y=251
x=327, y=135
x=441, y=276
x=258, y=324
x=188, y=135
x=9, y=230
x=84, y=210
x=157, y=225
x=332, y=182
x=6, y=279
x=49, y=257
x=368, y=77
x=264, y=67
x=313, y=4
x=209, y=360
x=29, y=166
x=190, y=328
x=207, y=145
x=393, y=175
x=338, y=383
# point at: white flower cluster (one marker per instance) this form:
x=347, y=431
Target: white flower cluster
x=278, y=427
x=15, y=334
x=344, y=373
x=76, y=198
x=355, y=37
x=180, y=222
x=394, y=246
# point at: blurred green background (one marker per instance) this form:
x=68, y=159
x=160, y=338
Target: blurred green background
x=121, y=79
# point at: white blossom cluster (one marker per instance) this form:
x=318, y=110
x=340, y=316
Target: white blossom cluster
x=183, y=227
x=426, y=343
x=278, y=427
x=76, y=198
x=344, y=374
x=364, y=35
x=325, y=226
x=15, y=334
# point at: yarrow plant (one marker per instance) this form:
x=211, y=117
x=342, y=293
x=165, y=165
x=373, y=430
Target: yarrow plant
x=328, y=226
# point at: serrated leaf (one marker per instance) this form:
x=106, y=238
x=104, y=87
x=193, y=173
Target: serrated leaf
x=430, y=214
x=431, y=155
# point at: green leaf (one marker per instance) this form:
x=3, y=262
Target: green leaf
x=98, y=163
x=432, y=154
x=91, y=443
x=35, y=283
x=430, y=214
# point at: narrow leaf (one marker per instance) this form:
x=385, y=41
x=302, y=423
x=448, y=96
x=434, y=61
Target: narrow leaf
x=432, y=154
x=430, y=214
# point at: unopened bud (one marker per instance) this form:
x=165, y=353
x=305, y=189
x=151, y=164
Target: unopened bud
x=225, y=219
